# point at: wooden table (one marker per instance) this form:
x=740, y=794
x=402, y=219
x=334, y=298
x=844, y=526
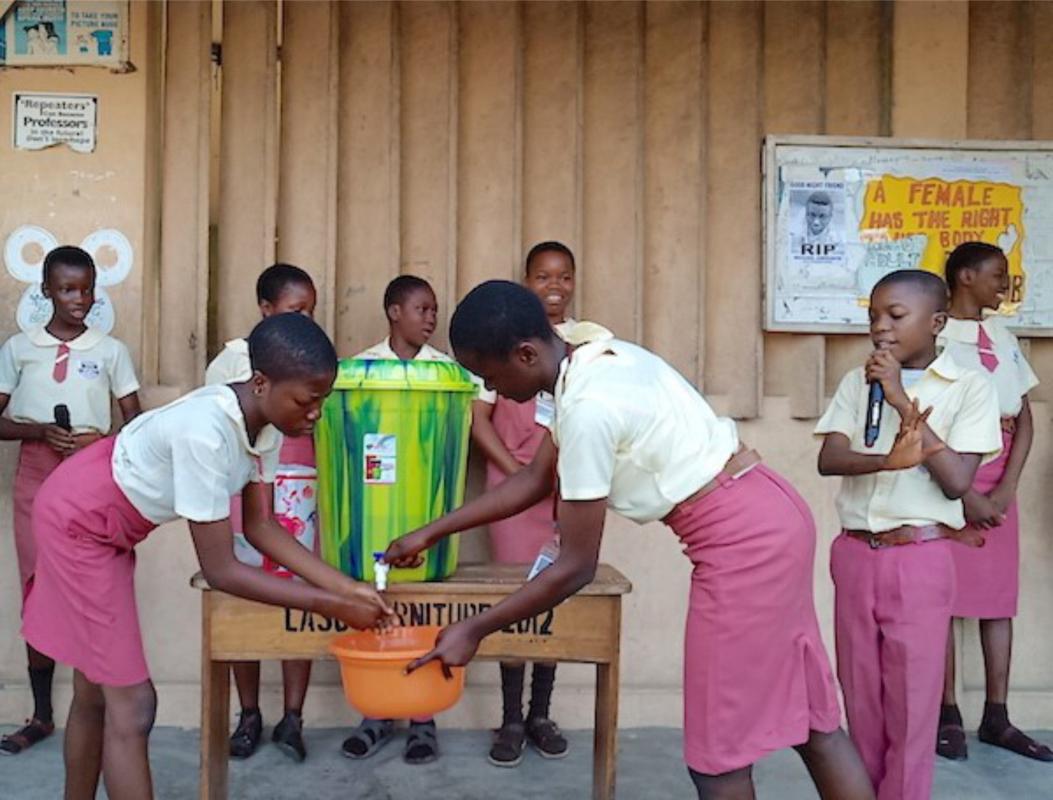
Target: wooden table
x=586, y=628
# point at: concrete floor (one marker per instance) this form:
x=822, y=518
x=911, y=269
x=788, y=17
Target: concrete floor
x=649, y=767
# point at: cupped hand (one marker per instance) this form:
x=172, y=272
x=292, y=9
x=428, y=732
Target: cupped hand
x=883, y=367
x=362, y=607
x=455, y=647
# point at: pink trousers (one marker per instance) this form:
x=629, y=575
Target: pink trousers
x=892, y=610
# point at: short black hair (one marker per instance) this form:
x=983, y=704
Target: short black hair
x=274, y=279
x=820, y=199
x=68, y=256
x=924, y=281
x=968, y=256
x=401, y=288
x=548, y=247
x=495, y=316
x=289, y=346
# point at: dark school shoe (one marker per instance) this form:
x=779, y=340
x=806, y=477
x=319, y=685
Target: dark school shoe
x=288, y=735
x=545, y=737
x=507, y=749
x=246, y=737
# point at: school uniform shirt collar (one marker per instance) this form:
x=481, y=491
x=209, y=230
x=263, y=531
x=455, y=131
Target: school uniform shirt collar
x=967, y=330
x=39, y=336
x=584, y=354
x=268, y=438
x=944, y=366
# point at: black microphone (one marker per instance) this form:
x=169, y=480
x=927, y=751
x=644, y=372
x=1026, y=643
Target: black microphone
x=62, y=417
x=874, y=404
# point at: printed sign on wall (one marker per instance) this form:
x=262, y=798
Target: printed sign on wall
x=43, y=119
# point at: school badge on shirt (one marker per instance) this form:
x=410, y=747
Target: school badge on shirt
x=89, y=370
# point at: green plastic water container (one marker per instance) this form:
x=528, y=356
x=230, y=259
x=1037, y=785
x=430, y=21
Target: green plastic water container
x=392, y=454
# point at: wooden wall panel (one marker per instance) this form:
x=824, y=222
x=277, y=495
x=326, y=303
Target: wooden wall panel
x=930, y=67
x=248, y=164
x=182, y=336
x=308, y=148
x=794, y=99
x=613, y=241
x=489, y=143
x=552, y=111
x=368, y=190
x=672, y=210
x=428, y=174
x=999, y=74
x=733, y=228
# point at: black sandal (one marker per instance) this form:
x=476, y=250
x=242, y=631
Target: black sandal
x=950, y=742
x=507, y=749
x=1015, y=740
x=368, y=738
x=32, y=732
x=246, y=737
x=422, y=744
x=546, y=738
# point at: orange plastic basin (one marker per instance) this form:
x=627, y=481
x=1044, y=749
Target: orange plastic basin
x=372, y=669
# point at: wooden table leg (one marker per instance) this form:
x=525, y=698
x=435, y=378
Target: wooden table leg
x=215, y=729
x=605, y=737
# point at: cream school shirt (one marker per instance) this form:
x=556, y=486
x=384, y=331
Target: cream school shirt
x=1013, y=377
x=964, y=415
x=232, y=365
x=630, y=428
x=98, y=366
x=187, y=458
x=383, y=350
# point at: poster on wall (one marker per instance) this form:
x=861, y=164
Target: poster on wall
x=44, y=119
x=65, y=33
x=842, y=213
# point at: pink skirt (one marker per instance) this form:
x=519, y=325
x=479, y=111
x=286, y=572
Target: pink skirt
x=989, y=576
x=80, y=607
x=518, y=539
x=35, y=462
x=756, y=674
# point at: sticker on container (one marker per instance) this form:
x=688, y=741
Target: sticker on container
x=380, y=457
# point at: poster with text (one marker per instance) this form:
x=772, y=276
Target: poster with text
x=842, y=217
x=66, y=33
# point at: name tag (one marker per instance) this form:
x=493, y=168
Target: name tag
x=544, y=409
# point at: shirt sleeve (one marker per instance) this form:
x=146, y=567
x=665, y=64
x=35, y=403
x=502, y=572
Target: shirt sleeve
x=123, y=380
x=200, y=464
x=842, y=415
x=588, y=440
x=977, y=427
x=9, y=372
x=1027, y=378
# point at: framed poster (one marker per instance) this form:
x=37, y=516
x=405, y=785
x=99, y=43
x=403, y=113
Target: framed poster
x=839, y=213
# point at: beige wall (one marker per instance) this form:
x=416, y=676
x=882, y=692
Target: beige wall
x=443, y=139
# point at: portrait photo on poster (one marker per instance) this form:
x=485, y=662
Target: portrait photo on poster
x=817, y=222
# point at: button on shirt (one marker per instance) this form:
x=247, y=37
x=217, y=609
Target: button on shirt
x=964, y=415
x=631, y=429
x=186, y=459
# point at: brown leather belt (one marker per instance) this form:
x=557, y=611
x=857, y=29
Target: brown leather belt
x=738, y=465
x=917, y=534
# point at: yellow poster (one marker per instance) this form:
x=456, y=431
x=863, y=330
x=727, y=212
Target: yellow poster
x=943, y=214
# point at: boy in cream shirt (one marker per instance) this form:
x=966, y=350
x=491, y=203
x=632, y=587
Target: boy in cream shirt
x=900, y=508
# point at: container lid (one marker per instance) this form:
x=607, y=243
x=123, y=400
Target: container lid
x=393, y=374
